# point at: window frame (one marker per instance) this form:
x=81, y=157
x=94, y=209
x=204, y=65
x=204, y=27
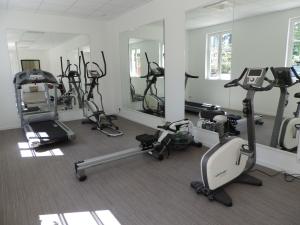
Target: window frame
x=208, y=53
x=290, y=42
x=133, y=70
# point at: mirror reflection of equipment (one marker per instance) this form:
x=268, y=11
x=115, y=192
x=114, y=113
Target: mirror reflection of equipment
x=152, y=103
x=285, y=131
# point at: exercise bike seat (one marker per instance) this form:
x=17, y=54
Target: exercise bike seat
x=297, y=95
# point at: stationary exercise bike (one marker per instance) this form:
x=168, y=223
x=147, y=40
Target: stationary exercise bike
x=284, y=132
x=230, y=160
x=91, y=111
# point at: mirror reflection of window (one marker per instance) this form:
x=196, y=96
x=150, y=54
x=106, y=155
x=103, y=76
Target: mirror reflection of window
x=135, y=63
x=161, y=55
x=294, y=45
x=219, y=54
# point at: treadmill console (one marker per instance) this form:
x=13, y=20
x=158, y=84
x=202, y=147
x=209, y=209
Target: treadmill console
x=255, y=77
x=36, y=77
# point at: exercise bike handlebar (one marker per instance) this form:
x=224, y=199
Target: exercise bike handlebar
x=294, y=74
x=236, y=82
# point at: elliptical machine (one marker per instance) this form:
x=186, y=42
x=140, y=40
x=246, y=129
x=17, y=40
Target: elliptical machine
x=74, y=79
x=230, y=160
x=152, y=104
x=284, y=132
x=66, y=98
x=91, y=111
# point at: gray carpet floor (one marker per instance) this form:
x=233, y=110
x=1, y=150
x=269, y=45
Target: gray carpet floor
x=137, y=191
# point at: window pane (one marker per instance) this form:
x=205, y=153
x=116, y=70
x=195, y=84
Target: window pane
x=296, y=44
x=226, y=56
x=138, y=62
x=214, y=56
x=132, y=63
x=297, y=31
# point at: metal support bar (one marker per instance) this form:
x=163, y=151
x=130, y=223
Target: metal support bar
x=81, y=166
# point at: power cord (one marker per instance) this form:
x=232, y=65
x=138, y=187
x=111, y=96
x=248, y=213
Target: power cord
x=287, y=177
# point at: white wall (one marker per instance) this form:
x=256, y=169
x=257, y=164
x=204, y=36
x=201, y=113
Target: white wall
x=69, y=51
x=41, y=55
x=257, y=42
x=27, y=21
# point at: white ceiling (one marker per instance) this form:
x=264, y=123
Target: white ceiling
x=225, y=11
x=92, y=9
x=37, y=40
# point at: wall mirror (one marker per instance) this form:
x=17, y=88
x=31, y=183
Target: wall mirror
x=273, y=31
x=142, y=67
x=263, y=34
x=208, y=57
x=57, y=53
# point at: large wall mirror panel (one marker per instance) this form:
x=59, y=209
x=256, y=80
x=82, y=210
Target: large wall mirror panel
x=142, y=69
x=265, y=36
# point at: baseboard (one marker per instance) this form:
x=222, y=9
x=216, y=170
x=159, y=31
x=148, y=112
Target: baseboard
x=277, y=159
x=142, y=118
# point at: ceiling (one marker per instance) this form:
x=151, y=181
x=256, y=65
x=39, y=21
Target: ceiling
x=92, y=9
x=219, y=11
x=33, y=40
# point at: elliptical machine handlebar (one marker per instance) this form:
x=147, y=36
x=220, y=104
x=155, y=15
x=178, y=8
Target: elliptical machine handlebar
x=103, y=72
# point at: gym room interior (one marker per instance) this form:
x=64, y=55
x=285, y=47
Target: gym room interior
x=143, y=112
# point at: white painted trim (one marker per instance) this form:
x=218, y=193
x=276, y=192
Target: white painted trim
x=277, y=159
x=142, y=118
x=206, y=137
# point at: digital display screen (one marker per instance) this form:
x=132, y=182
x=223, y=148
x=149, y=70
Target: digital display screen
x=254, y=73
x=30, y=64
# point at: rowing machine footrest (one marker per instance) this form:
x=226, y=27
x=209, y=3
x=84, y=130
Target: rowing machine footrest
x=146, y=140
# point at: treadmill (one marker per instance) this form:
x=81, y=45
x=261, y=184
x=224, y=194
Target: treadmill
x=40, y=123
x=197, y=107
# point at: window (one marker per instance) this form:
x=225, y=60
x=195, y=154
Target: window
x=293, y=56
x=161, y=55
x=219, y=52
x=135, y=63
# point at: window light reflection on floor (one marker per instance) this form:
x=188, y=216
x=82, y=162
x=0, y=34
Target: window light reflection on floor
x=26, y=152
x=101, y=217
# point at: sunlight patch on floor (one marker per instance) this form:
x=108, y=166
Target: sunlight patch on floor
x=101, y=217
x=27, y=152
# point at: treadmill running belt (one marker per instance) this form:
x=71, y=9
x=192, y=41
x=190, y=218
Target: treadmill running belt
x=49, y=131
